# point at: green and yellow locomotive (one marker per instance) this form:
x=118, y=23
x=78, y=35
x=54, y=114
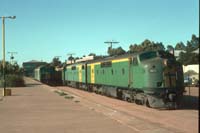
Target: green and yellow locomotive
x=152, y=78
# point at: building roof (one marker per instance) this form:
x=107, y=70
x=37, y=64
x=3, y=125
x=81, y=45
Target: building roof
x=34, y=61
x=196, y=51
x=177, y=52
x=85, y=59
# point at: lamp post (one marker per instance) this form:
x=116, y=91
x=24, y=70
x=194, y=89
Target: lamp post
x=12, y=57
x=111, y=42
x=3, y=49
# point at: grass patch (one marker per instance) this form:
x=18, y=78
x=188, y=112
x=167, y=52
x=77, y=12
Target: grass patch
x=61, y=93
x=66, y=96
x=56, y=91
x=76, y=101
x=69, y=97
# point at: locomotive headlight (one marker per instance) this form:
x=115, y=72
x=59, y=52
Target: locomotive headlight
x=153, y=69
x=165, y=62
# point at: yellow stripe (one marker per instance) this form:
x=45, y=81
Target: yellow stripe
x=92, y=74
x=113, y=61
x=80, y=72
x=119, y=60
x=97, y=63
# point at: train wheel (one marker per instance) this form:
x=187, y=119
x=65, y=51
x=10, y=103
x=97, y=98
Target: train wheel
x=128, y=100
x=119, y=94
x=147, y=103
x=175, y=105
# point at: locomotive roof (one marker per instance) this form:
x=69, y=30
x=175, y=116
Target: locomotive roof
x=114, y=57
x=109, y=58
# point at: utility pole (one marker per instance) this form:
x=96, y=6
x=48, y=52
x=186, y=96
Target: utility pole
x=110, y=48
x=70, y=55
x=111, y=43
x=3, y=50
x=12, y=56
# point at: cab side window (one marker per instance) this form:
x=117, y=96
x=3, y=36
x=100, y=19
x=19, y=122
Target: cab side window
x=135, y=61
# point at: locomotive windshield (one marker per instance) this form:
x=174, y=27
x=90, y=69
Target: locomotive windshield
x=153, y=54
x=148, y=55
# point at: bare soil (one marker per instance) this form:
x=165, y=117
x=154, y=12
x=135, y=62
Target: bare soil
x=141, y=118
x=37, y=108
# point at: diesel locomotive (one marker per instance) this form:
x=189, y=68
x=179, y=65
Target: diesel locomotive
x=48, y=74
x=151, y=78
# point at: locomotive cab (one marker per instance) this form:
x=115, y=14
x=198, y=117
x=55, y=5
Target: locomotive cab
x=161, y=78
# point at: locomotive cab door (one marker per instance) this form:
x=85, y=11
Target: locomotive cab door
x=137, y=74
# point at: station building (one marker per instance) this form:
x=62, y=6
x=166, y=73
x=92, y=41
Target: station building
x=29, y=67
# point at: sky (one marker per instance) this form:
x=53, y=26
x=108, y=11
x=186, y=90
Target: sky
x=44, y=29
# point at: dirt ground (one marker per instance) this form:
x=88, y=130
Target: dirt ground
x=193, y=91
x=39, y=108
x=143, y=119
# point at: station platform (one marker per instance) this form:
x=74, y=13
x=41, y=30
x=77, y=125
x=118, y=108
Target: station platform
x=36, y=108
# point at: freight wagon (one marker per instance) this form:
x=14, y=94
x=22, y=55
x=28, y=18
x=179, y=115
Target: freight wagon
x=152, y=78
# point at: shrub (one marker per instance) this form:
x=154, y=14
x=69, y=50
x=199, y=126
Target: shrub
x=13, y=81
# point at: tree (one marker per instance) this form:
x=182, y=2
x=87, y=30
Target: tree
x=133, y=48
x=56, y=62
x=70, y=58
x=146, y=44
x=195, y=41
x=158, y=46
x=77, y=58
x=189, y=57
x=120, y=51
x=116, y=51
x=193, y=44
x=10, y=68
x=92, y=54
x=170, y=48
x=180, y=46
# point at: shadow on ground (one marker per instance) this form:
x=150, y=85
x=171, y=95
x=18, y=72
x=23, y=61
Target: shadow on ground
x=189, y=102
x=32, y=84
